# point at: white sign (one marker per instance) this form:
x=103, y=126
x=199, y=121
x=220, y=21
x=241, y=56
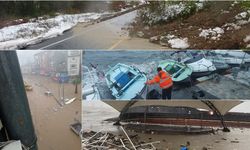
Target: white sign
x=74, y=65
x=74, y=53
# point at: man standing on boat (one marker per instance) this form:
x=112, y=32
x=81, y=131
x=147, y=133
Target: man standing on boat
x=165, y=81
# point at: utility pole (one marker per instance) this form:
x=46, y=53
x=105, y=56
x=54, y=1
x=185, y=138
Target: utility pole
x=14, y=107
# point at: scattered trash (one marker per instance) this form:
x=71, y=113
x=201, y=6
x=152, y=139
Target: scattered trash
x=105, y=140
x=48, y=93
x=27, y=86
x=68, y=101
x=234, y=141
x=76, y=128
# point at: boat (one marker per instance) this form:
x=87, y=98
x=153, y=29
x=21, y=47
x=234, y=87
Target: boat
x=234, y=58
x=178, y=71
x=89, y=88
x=233, y=61
x=125, y=82
x=220, y=64
x=200, y=66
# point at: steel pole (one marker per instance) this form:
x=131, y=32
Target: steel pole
x=14, y=107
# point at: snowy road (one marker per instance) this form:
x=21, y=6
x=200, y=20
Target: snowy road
x=108, y=34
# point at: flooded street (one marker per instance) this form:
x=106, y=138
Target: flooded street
x=95, y=112
x=51, y=121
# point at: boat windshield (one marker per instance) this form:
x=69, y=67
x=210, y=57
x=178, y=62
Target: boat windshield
x=193, y=59
x=171, y=69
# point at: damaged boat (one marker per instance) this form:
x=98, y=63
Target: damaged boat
x=179, y=72
x=200, y=66
x=125, y=82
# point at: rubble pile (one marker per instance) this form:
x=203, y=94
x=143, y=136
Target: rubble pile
x=105, y=140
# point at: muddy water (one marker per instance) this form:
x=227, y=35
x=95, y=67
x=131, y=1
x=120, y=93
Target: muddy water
x=95, y=112
x=52, y=122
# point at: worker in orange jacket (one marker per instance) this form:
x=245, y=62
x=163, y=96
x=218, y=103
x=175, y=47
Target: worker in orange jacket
x=165, y=81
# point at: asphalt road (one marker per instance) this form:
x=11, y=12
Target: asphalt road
x=109, y=34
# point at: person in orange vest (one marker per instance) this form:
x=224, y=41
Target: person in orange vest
x=165, y=81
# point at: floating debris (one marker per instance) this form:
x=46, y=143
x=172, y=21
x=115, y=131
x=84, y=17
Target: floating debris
x=68, y=101
x=48, y=93
x=105, y=140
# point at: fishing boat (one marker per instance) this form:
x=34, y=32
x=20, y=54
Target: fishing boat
x=125, y=82
x=178, y=71
x=200, y=66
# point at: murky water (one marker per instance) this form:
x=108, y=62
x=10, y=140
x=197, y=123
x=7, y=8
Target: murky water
x=51, y=121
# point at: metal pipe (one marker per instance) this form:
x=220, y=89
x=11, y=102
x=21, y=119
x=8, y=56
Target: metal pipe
x=14, y=108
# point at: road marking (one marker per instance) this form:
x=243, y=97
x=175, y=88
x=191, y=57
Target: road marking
x=116, y=44
x=71, y=37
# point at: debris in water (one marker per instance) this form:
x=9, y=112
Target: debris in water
x=68, y=101
x=48, y=93
x=234, y=141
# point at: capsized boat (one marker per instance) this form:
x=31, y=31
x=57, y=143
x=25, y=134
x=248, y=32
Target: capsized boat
x=125, y=82
x=178, y=71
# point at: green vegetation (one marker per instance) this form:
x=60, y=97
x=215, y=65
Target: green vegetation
x=30, y=9
x=245, y=4
x=159, y=12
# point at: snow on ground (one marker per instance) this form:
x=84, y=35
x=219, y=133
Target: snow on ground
x=247, y=39
x=35, y=31
x=169, y=12
x=215, y=33
x=174, y=42
x=179, y=43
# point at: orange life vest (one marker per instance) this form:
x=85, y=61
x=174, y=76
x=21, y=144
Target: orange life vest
x=163, y=78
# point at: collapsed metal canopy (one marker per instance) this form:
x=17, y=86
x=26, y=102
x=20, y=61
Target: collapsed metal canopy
x=223, y=106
